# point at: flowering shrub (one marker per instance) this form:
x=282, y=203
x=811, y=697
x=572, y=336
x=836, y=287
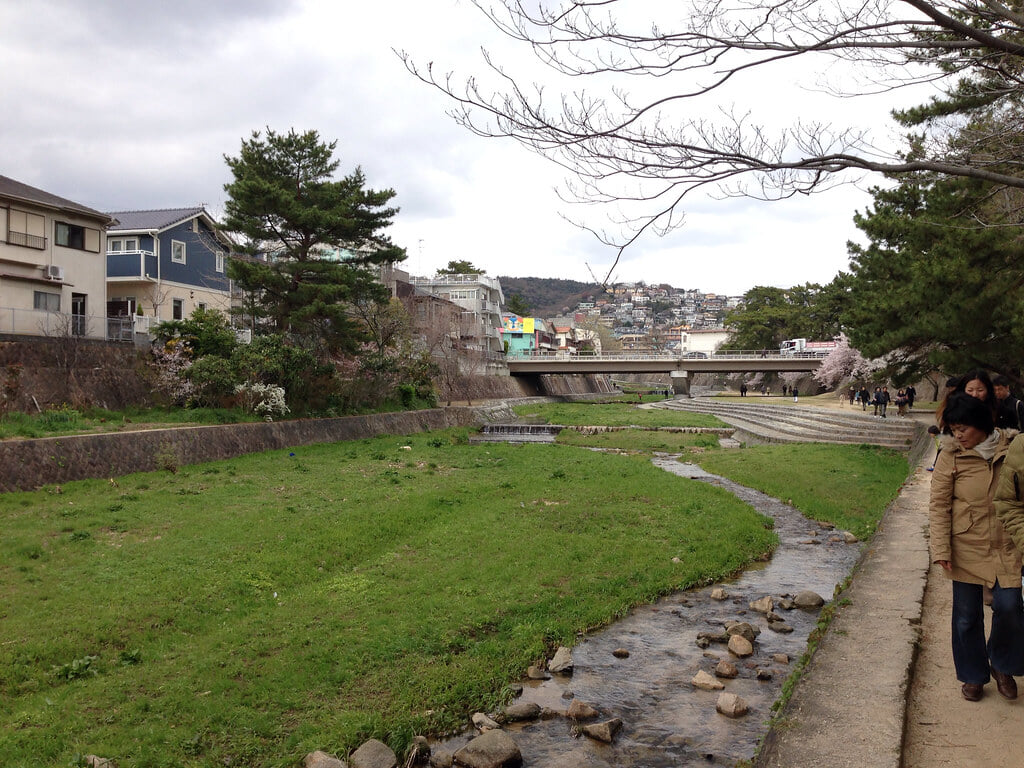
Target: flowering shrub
x=263, y=399
x=173, y=362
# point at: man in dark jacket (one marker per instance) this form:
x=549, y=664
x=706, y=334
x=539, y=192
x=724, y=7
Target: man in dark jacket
x=1010, y=411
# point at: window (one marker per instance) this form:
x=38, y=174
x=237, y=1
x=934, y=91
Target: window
x=177, y=252
x=177, y=309
x=48, y=302
x=201, y=305
x=28, y=229
x=119, y=244
x=75, y=236
x=220, y=261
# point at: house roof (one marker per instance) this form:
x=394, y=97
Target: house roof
x=132, y=221
x=15, y=190
x=163, y=218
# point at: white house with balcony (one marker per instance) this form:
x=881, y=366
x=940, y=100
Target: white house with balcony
x=481, y=300
x=52, y=264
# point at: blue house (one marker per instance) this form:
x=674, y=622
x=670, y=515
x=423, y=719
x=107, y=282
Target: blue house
x=162, y=265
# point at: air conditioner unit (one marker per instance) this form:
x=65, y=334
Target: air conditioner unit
x=55, y=272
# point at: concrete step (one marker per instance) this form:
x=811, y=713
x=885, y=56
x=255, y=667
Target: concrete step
x=777, y=423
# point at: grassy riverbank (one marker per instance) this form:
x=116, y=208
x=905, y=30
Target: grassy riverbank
x=246, y=612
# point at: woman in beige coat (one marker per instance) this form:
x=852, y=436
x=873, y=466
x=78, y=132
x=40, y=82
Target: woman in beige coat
x=972, y=547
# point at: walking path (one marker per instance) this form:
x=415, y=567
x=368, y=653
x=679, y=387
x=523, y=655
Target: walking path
x=881, y=691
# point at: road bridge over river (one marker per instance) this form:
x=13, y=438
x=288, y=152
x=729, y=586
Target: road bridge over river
x=680, y=368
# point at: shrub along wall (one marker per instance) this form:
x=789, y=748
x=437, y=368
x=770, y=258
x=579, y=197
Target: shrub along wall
x=28, y=464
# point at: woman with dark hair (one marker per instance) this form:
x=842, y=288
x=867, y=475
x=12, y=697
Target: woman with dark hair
x=969, y=543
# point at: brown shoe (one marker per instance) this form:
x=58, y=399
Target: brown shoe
x=972, y=691
x=1005, y=684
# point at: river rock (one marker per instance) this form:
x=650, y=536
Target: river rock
x=712, y=637
x=603, y=731
x=483, y=722
x=763, y=674
x=808, y=600
x=533, y=672
x=374, y=754
x=320, y=759
x=521, y=711
x=719, y=594
x=620, y=653
x=493, y=749
x=781, y=627
x=850, y=538
x=561, y=663
x=731, y=705
x=580, y=710
x=727, y=670
x=441, y=758
x=578, y=758
x=786, y=604
x=705, y=682
x=780, y=658
x=763, y=605
x=743, y=629
x=740, y=646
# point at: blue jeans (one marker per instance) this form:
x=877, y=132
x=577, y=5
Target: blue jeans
x=1005, y=647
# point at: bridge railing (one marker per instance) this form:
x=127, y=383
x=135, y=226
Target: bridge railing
x=732, y=354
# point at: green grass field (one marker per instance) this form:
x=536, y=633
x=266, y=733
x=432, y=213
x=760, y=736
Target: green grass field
x=249, y=611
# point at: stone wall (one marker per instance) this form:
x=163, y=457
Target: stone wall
x=29, y=464
x=79, y=372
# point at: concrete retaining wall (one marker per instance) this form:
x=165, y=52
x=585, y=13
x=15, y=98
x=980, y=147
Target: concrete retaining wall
x=28, y=464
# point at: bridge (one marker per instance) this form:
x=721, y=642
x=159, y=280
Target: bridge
x=679, y=368
x=623, y=362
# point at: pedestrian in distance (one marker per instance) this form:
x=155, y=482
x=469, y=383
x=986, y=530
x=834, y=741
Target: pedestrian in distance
x=911, y=397
x=865, y=397
x=885, y=398
x=1010, y=411
x=796, y=394
x=852, y=394
x=970, y=544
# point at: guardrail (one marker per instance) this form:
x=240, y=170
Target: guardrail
x=38, y=322
x=733, y=354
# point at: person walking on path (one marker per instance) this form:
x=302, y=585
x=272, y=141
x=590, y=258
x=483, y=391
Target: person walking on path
x=969, y=543
x=1010, y=413
x=865, y=397
x=911, y=397
x=796, y=394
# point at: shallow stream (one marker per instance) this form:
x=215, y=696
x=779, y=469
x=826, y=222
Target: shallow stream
x=666, y=721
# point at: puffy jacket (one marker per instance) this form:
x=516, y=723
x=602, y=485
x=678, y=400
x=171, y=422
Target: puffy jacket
x=1009, y=497
x=963, y=525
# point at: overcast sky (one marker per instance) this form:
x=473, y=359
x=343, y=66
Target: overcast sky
x=130, y=105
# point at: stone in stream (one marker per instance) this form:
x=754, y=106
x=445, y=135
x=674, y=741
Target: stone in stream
x=620, y=653
x=533, y=672
x=727, y=670
x=740, y=646
x=731, y=705
x=780, y=658
x=493, y=749
x=521, y=711
x=580, y=710
x=483, y=722
x=743, y=629
x=705, y=682
x=603, y=731
x=374, y=754
x=763, y=605
x=561, y=663
x=808, y=600
x=781, y=627
x=321, y=759
x=719, y=594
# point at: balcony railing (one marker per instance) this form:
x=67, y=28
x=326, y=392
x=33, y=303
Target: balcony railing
x=37, y=322
x=131, y=264
x=27, y=240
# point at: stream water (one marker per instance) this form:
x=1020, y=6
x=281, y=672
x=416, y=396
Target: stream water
x=666, y=721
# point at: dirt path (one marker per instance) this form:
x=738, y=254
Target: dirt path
x=943, y=729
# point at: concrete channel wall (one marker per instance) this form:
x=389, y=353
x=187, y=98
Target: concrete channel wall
x=29, y=464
